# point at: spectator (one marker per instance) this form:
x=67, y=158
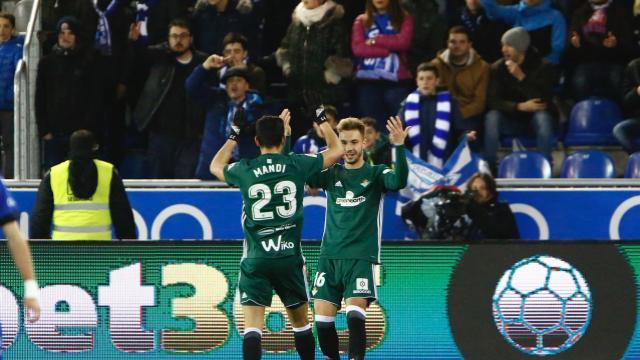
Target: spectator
x=10, y=54
x=485, y=33
x=466, y=75
x=377, y=149
x=313, y=142
x=490, y=218
x=434, y=117
x=381, y=38
x=82, y=198
x=547, y=27
x=314, y=57
x=221, y=110
x=628, y=131
x=174, y=121
x=520, y=93
x=54, y=10
x=213, y=19
x=429, y=30
x=235, y=49
x=601, y=42
x=67, y=92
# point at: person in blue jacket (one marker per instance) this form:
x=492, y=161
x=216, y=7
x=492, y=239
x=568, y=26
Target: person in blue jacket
x=19, y=248
x=222, y=105
x=546, y=26
x=10, y=54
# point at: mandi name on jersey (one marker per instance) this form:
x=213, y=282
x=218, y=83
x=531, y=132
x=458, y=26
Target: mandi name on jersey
x=270, y=168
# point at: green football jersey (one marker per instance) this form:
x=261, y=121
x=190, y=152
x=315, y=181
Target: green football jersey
x=272, y=188
x=353, y=223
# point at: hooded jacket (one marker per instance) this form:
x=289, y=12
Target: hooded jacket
x=67, y=92
x=468, y=84
x=546, y=26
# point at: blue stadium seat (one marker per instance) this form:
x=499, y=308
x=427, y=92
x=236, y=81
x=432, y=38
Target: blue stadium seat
x=632, y=171
x=525, y=164
x=588, y=164
x=591, y=122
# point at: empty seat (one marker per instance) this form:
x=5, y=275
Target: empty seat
x=591, y=122
x=525, y=164
x=633, y=166
x=588, y=164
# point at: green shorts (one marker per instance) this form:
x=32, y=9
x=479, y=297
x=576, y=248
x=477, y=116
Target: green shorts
x=260, y=277
x=338, y=279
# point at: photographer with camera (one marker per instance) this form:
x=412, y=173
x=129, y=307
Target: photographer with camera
x=490, y=219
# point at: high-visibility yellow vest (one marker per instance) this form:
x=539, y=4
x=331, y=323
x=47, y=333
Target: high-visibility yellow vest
x=81, y=219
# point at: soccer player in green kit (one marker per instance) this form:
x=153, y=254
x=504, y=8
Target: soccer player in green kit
x=272, y=188
x=351, y=242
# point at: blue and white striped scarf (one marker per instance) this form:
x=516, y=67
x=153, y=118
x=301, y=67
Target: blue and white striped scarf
x=103, y=32
x=442, y=126
x=142, y=17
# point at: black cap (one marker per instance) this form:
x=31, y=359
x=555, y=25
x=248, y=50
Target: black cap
x=235, y=71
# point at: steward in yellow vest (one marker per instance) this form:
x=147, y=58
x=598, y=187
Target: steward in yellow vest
x=81, y=197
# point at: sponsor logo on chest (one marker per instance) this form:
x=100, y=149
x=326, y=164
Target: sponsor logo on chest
x=349, y=200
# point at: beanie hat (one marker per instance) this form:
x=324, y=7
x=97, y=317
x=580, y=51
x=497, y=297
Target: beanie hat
x=72, y=23
x=518, y=38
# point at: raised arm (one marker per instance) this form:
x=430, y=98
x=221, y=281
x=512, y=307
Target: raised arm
x=396, y=178
x=223, y=156
x=334, y=148
x=222, y=159
x=199, y=84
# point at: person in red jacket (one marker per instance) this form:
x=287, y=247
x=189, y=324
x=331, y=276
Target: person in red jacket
x=380, y=39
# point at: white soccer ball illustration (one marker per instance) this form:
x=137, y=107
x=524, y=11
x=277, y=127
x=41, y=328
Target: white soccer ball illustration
x=542, y=305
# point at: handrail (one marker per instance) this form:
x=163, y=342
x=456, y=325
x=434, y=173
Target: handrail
x=26, y=154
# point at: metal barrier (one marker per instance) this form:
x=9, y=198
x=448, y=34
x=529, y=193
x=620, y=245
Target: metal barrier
x=26, y=154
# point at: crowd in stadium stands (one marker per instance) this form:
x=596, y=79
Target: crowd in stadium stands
x=138, y=74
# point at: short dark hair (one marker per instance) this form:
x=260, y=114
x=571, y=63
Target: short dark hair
x=489, y=181
x=370, y=122
x=10, y=17
x=459, y=29
x=179, y=22
x=269, y=131
x=232, y=38
x=428, y=67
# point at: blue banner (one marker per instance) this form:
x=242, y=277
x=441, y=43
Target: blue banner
x=541, y=213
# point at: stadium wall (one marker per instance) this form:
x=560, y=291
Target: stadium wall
x=176, y=300
x=554, y=213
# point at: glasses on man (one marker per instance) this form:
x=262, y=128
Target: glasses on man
x=181, y=36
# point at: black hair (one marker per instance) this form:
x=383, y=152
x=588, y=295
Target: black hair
x=270, y=131
x=182, y=23
x=83, y=173
x=234, y=37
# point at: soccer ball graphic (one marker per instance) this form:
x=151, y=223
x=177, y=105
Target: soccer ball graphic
x=542, y=305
